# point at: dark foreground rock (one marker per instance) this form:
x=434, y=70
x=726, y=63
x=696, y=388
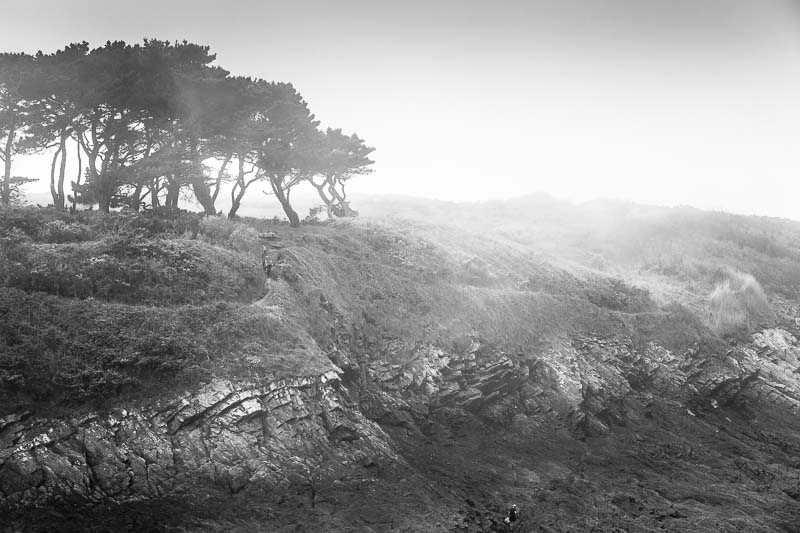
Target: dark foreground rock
x=592, y=433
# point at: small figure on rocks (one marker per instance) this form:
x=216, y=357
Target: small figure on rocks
x=266, y=261
x=513, y=516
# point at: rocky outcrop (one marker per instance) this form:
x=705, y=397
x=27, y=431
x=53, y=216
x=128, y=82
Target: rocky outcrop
x=271, y=437
x=234, y=436
x=431, y=379
x=586, y=381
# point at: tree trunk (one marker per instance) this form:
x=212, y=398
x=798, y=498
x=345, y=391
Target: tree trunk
x=340, y=199
x=78, y=180
x=236, y=201
x=277, y=188
x=138, y=192
x=173, y=191
x=154, y=188
x=94, y=178
x=104, y=185
x=136, y=202
x=220, y=175
x=60, y=200
x=198, y=181
x=5, y=192
x=53, y=191
x=203, y=194
x=93, y=175
x=239, y=188
x=321, y=191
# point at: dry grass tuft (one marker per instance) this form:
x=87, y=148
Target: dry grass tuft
x=738, y=304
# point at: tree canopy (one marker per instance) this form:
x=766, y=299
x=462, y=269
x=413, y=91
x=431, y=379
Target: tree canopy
x=144, y=121
x=15, y=111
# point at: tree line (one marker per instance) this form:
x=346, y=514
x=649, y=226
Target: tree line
x=143, y=120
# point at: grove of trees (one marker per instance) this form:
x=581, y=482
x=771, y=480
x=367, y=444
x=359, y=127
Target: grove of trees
x=143, y=121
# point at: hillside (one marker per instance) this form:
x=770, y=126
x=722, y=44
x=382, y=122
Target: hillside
x=605, y=366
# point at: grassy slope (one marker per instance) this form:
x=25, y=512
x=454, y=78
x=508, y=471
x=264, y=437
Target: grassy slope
x=677, y=255
x=98, y=306
x=128, y=308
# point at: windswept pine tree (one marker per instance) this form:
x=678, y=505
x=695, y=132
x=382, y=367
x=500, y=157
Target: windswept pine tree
x=149, y=121
x=339, y=158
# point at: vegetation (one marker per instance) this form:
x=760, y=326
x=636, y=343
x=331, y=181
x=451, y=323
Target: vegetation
x=70, y=351
x=164, y=296
x=738, y=304
x=147, y=122
x=96, y=306
x=100, y=312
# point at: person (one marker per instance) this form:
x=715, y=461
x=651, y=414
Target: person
x=266, y=262
x=513, y=515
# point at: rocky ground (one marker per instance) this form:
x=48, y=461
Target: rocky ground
x=451, y=388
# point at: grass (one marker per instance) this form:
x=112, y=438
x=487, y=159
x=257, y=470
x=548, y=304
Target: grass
x=686, y=245
x=738, y=304
x=131, y=269
x=111, y=306
x=95, y=308
x=70, y=351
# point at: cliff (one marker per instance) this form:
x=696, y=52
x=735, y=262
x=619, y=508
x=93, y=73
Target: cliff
x=409, y=372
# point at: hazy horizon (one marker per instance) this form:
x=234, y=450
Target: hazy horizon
x=662, y=103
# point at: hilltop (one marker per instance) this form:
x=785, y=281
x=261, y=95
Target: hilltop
x=603, y=365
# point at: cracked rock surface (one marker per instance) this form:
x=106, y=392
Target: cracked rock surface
x=567, y=425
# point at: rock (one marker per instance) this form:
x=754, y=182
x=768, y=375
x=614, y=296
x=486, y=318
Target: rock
x=269, y=236
x=230, y=435
x=272, y=436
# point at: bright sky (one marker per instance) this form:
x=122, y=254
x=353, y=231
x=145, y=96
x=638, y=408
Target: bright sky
x=666, y=102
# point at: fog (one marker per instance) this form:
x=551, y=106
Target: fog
x=659, y=102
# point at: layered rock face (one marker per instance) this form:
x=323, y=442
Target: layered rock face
x=230, y=436
x=282, y=436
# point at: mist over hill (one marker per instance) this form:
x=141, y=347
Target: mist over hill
x=605, y=366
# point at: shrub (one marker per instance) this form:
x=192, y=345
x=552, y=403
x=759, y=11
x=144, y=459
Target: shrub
x=70, y=351
x=29, y=220
x=243, y=238
x=164, y=222
x=614, y=293
x=738, y=304
x=216, y=230
x=156, y=222
x=59, y=231
x=130, y=269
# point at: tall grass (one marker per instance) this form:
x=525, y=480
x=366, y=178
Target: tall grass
x=738, y=304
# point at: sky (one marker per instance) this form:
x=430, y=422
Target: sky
x=666, y=102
